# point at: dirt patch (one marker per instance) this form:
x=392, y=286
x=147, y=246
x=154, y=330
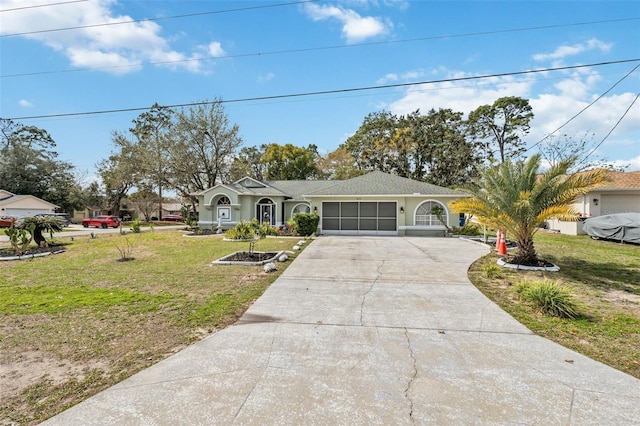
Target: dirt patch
x=623, y=299
x=20, y=370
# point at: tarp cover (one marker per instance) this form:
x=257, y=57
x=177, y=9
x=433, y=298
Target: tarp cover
x=621, y=227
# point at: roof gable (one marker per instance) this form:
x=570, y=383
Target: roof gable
x=622, y=180
x=249, y=182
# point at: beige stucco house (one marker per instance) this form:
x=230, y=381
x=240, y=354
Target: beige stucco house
x=23, y=205
x=620, y=194
x=373, y=204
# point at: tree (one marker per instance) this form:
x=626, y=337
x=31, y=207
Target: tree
x=145, y=201
x=555, y=149
x=442, y=155
x=201, y=148
x=151, y=131
x=370, y=146
x=29, y=164
x=337, y=165
x=39, y=225
x=248, y=162
x=512, y=197
x=500, y=127
x=119, y=172
x=289, y=162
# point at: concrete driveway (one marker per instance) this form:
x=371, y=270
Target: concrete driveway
x=371, y=331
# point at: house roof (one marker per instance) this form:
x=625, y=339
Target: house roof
x=380, y=183
x=622, y=180
x=17, y=198
x=373, y=183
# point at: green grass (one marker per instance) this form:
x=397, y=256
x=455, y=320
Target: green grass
x=604, y=278
x=108, y=319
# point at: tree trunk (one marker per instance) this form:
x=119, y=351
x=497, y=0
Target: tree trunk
x=38, y=238
x=526, y=252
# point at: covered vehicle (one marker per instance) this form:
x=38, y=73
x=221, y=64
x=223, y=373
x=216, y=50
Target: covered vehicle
x=624, y=227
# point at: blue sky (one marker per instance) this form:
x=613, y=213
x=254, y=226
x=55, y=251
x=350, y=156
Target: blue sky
x=271, y=49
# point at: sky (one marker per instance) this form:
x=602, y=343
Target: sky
x=65, y=64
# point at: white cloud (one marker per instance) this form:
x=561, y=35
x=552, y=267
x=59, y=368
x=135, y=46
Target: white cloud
x=25, y=103
x=354, y=27
x=571, y=50
x=630, y=165
x=216, y=50
x=268, y=77
x=552, y=106
x=123, y=47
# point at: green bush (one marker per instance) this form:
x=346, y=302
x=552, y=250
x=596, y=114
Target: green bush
x=491, y=271
x=306, y=223
x=135, y=225
x=549, y=297
x=469, y=229
x=243, y=230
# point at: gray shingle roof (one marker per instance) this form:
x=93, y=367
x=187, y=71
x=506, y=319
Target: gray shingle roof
x=297, y=188
x=380, y=183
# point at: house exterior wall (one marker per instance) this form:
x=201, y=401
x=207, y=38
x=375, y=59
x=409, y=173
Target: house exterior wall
x=26, y=206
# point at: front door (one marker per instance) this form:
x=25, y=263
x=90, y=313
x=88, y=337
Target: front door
x=266, y=211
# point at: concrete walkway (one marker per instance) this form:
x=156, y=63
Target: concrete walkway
x=371, y=331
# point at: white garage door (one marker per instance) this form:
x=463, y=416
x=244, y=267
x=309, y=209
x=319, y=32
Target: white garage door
x=359, y=218
x=614, y=203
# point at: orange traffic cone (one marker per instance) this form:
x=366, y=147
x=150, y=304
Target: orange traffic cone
x=502, y=248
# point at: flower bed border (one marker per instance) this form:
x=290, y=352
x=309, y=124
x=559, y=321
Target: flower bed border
x=222, y=260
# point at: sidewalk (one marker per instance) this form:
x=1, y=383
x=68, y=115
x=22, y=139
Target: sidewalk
x=371, y=331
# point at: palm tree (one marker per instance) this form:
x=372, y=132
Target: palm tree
x=512, y=197
x=38, y=225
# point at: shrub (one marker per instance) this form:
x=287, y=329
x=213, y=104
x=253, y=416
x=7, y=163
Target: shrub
x=135, y=225
x=306, y=223
x=469, y=229
x=550, y=298
x=243, y=230
x=491, y=271
x=19, y=239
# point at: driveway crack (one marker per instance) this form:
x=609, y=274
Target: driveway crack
x=366, y=293
x=412, y=377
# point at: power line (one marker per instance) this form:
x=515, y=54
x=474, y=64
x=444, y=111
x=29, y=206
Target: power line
x=42, y=5
x=319, y=48
x=585, y=108
x=328, y=92
x=610, y=131
x=134, y=21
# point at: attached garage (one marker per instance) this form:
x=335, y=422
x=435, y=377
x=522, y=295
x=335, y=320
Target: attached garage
x=359, y=218
x=619, y=203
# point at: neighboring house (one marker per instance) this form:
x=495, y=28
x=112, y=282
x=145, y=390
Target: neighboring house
x=621, y=194
x=23, y=205
x=373, y=204
x=87, y=213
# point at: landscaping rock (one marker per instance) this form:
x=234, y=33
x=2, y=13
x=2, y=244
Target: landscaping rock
x=302, y=242
x=283, y=258
x=270, y=267
x=296, y=248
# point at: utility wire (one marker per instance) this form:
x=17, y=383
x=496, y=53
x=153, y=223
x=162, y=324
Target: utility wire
x=319, y=48
x=584, y=109
x=134, y=21
x=610, y=131
x=327, y=92
x=42, y=5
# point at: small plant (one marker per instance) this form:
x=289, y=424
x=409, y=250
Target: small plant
x=491, y=271
x=125, y=249
x=19, y=239
x=549, y=297
x=306, y=224
x=243, y=230
x=469, y=229
x=136, y=225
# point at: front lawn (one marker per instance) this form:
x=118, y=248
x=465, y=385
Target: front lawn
x=75, y=323
x=603, y=276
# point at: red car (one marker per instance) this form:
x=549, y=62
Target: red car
x=7, y=221
x=172, y=218
x=101, y=222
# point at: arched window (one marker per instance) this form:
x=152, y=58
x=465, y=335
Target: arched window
x=425, y=214
x=300, y=208
x=224, y=201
